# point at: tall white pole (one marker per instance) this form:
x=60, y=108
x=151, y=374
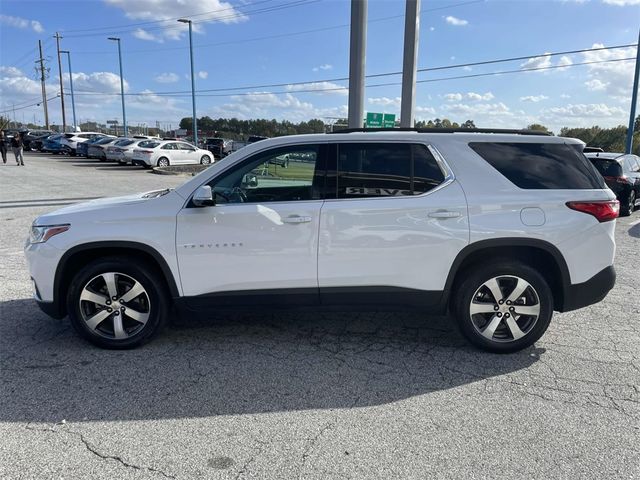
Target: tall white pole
x=411, y=37
x=357, y=54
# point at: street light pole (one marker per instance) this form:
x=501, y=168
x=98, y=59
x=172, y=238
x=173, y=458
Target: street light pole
x=73, y=101
x=124, y=115
x=634, y=101
x=193, y=82
x=64, y=118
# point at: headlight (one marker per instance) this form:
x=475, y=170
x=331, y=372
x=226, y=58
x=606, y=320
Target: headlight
x=40, y=234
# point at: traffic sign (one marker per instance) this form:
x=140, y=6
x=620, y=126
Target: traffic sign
x=380, y=120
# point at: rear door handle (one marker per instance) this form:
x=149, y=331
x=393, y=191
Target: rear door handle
x=296, y=219
x=444, y=214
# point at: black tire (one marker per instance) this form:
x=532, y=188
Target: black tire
x=627, y=208
x=157, y=295
x=205, y=160
x=473, y=280
x=161, y=159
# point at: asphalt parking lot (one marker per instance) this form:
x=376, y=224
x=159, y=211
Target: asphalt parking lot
x=283, y=396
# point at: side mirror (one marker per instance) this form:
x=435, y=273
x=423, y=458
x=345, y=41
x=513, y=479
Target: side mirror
x=203, y=197
x=250, y=181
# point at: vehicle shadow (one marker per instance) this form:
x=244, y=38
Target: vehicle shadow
x=235, y=364
x=635, y=230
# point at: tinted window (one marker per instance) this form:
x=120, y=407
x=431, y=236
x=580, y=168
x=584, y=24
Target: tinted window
x=276, y=175
x=539, y=165
x=607, y=168
x=385, y=169
x=149, y=144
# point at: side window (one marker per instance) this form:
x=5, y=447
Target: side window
x=169, y=146
x=275, y=175
x=184, y=146
x=382, y=170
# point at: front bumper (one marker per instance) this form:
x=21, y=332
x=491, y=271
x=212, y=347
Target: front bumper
x=592, y=291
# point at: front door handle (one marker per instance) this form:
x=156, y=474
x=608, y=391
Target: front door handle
x=296, y=219
x=444, y=214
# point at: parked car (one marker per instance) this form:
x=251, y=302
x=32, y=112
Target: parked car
x=99, y=149
x=219, y=147
x=163, y=153
x=82, y=148
x=622, y=174
x=122, y=150
x=70, y=141
x=480, y=224
x=34, y=139
x=52, y=144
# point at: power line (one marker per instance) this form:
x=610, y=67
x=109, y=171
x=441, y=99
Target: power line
x=292, y=4
x=377, y=75
x=280, y=35
x=28, y=106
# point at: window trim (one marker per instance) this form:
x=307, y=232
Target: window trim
x=448, y=174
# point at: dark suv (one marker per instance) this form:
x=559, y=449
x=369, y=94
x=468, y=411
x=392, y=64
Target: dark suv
x=219, y=147
x=622, y=174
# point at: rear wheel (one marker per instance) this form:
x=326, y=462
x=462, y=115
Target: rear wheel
x=627, y=208
x=115, y=303
x=205, y=160
x=503, y=307
x=163, y=162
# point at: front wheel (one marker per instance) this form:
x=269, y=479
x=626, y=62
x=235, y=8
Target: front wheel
x=117, y=303
x=503, y=307
x=205, y=160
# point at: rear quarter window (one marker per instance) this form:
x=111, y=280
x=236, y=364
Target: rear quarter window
x=607, y=168
x=539, y=165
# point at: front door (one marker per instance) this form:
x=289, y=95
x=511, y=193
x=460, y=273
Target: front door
x=260, y=240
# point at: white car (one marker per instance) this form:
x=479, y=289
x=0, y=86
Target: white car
x=69, y=141
x=500, y=229
x=122, y=150
x=162, y=153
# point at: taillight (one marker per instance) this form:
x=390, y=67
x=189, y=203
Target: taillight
x=620, y=179
x=603, y=211
x=146, y=152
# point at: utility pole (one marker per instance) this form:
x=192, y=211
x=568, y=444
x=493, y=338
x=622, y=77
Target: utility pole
x=193, y=83
x=73, y=101
x=634, y=101
x=357, y=53
x=124, y=115
x=411, y=37
x=64, y=118
x=43, y=79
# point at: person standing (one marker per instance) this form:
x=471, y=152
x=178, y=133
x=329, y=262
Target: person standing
x=17, y=145
x=3, y=146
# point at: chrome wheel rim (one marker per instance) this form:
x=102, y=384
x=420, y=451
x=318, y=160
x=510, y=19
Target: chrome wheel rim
x=505, y=308
x=114, y=305
x=163, y=163
x=205, y=160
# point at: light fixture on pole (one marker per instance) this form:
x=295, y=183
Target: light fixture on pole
x=73, y=101
x=193, y=82
x=124, y=115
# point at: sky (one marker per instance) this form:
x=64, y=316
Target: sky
x=253, y=57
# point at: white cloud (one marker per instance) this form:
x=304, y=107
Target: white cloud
x=475, y=97
x=537, y=62
x=167, y=77
x=457, y=22
x=613, y=78
x=325, y=88
x=385, y=101
x=144, y=35
x=595, y=85
x=423, y=111
x=10, y=72
x=203, y=74
x=565, y=95
x=23, y=23
x=324, y=66
x=585, y=111
x=431, y=29
x=565, y=61
x=218, y=11
x=96, y=82
x=622, y=3
x=479, y=109
x=534, y=98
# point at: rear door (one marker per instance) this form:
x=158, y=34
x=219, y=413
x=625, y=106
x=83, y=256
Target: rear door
x=394, y=226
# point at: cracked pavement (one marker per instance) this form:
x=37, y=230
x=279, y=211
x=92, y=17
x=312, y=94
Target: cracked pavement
x=306, y=396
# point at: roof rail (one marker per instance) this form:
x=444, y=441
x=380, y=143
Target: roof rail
x=444, y=130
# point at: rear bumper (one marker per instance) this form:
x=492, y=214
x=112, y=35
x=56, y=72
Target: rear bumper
x=590, y=292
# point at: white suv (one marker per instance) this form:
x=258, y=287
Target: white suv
x=499, y=228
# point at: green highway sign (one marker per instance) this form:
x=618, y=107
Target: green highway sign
x=380, y=120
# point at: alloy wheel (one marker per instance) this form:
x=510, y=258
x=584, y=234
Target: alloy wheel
x=505, y=308
x=114, y=305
